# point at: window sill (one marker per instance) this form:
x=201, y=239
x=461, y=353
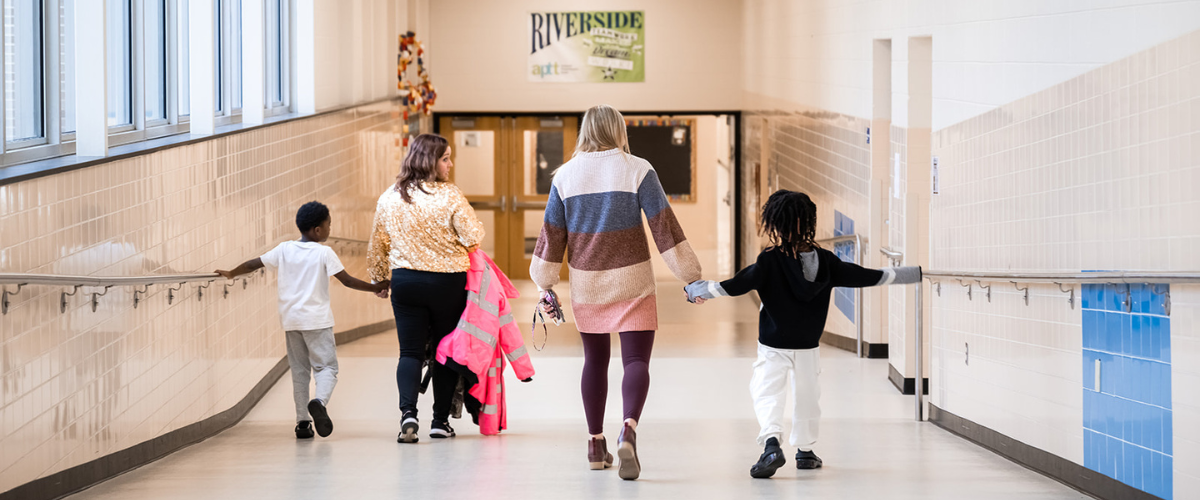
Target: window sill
x=49, y=166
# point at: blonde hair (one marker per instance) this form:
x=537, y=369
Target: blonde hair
x=603, y=129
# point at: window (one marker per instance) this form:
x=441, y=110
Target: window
x=234, y=34
x=181, y=42
x=228, y=74
x=120, y=62
x=275, y=56
x=155, y=19
x=23, y=69
x=67, y=64
x=146, y=70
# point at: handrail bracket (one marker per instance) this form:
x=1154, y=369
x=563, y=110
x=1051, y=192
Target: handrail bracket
x=4, y=301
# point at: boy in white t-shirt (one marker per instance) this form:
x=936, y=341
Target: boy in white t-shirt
x=305, y=266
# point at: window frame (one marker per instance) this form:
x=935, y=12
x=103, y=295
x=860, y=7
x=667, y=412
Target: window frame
x=226, y=114
x=283, y=106
x=54, y=142
x=143, y=129
x=13, y=146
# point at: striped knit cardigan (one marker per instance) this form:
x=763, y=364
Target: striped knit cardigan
x=595, y=215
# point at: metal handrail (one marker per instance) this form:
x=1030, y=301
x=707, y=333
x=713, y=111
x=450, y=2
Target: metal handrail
x=347, y=240
x=1135, y=277
x=68, y=280
x=892, y=254
x=858, y=298
x=842, y=239
x=1104, y=277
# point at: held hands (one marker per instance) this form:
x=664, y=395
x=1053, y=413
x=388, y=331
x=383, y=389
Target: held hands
x=700, y=291
x=382, y=288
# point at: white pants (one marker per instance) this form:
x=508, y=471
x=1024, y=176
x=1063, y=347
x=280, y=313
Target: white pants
x=768, y=387
x=312, y=351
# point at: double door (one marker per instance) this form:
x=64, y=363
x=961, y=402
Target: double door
x=503, y=165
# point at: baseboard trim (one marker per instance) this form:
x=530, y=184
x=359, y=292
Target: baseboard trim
x=1076, y=476
x=85, y=475
x=872, y=351
x=906, y=385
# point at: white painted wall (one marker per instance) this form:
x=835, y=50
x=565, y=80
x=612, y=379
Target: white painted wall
x=817, y=53
x=355, y=48
x=480, y=51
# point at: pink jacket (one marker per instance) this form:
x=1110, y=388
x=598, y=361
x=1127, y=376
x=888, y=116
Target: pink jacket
x=485, y=336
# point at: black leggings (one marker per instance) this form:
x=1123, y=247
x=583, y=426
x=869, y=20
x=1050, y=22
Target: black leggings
x=427, y=306
x=635, y=385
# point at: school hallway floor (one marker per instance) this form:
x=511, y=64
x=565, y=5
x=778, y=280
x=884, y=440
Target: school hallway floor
x=696, y=439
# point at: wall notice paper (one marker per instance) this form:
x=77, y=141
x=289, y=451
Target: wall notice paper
x=595, y=47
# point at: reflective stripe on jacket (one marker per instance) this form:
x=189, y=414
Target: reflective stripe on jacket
x=486, y=335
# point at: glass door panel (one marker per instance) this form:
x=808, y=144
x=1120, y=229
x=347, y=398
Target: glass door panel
x=477, y=150
x=541, y=145
x=474, y=153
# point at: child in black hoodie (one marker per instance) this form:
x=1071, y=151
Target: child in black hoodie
x=794, y=278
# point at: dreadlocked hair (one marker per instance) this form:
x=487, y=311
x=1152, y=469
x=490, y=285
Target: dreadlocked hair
x=789, y=220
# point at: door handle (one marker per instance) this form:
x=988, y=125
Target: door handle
x=503, y=204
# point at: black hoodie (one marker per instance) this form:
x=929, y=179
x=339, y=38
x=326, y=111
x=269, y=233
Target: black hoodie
x=794, y=309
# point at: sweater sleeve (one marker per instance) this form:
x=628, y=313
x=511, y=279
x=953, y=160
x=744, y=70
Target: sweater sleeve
x=665, y=228
x=551, y=244
x=379, y=264
x=466, y=225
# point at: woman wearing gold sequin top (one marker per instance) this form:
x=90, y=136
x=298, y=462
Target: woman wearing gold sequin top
x=424, y=229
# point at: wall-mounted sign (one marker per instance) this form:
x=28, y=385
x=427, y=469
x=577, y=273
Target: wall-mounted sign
x=587, y=46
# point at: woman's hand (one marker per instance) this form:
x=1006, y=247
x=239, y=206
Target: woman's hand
x=698, y=300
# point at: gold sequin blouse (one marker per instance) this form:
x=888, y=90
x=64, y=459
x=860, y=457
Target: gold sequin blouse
x=432, y=233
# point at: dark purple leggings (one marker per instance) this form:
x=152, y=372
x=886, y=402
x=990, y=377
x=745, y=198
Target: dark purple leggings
x=635, y=356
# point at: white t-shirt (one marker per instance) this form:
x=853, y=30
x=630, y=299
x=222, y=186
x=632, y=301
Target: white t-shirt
x=304, y=271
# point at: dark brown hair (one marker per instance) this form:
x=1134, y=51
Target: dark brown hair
x=420, y=165
x=789, y=220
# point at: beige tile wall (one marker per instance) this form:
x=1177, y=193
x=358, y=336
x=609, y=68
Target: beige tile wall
x=898, y=302
x=82, y=384
x=1098, y=173
x=824, y=155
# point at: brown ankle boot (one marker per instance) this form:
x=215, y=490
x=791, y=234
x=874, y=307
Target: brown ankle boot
x=627, y=449
x=598, y=456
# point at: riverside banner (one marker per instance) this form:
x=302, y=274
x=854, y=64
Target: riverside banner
x=598, y=47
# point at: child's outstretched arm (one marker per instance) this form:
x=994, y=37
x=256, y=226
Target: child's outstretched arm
x=245, y=267
x=356, y=284
x=849, y=275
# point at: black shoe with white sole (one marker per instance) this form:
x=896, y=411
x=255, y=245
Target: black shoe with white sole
x=770, y=461
x=807, y=460
x=304, y=430
x=441, y=429
x=320, y=418
x=408, y=429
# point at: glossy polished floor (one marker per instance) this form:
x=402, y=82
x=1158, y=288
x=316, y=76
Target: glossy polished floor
x=696, y=439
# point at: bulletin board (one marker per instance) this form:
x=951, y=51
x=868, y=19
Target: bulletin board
x=670, y=147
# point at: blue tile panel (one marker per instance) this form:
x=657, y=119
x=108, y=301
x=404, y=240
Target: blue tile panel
x=843, y=298
x=1127, y=419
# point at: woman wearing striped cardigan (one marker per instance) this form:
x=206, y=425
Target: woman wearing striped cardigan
x=595, y=215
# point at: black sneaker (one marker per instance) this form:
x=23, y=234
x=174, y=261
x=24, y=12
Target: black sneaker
x=441, y=429
x=320, y=417
x=807, y=460
x=304, y=430
x=770, y=461
x=408, y=428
